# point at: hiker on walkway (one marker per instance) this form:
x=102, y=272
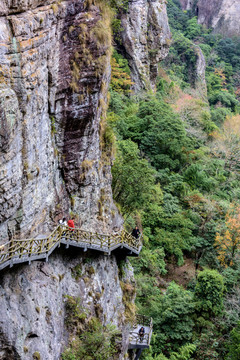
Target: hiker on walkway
x=71, y=224
x=136, y=232
x=63, y=221
x=141, y=333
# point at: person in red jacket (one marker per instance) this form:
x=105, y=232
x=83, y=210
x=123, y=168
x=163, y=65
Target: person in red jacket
x=71, y=224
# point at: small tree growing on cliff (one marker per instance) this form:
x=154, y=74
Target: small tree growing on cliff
x=227, y=240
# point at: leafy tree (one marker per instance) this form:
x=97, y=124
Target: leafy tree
x=133, y=178
x=227, y=240
x=120, y=79
x=223, y=98
x=174, y=327
x=185, y=352
x=160, y=134
x=209, y=293
x=227, y=143
x=228, y=50
x=184, y=55
x=234, y=344
x=151, y=261
x=177, y=18
x=219, y=115
x=193, y=29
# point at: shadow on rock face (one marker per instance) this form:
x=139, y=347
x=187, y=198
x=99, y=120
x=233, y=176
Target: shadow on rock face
x=7, y=352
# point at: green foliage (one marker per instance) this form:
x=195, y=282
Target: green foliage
x=151, y=261
x=176, y=17
x=96, y=343
x=160, y=134
x=75, y=314
x=229, y=50
x=234, y=344
x=133, y=178
x=193, y=29
x=182, y=59
x=224, y=99
x=209, y=293
x=219, y=115
x=176, y=172
x=185, y=352
x=174, y=327
x=91, y=340
x=120, y=80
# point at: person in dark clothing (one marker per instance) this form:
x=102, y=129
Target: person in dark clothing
x=63, y=221
x=141, y=333
x=136, y=232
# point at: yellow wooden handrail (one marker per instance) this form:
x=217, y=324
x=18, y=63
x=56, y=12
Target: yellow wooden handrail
x=17, y=251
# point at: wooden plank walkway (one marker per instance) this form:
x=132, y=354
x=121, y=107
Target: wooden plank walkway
x=27, y=250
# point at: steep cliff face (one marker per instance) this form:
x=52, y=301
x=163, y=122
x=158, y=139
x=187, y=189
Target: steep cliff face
x=222, y=15
x=146, y=39
x=33, y=303
x=54, y=75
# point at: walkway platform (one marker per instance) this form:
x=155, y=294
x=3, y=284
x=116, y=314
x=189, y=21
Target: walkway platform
x=41, y=247
x=135, y=342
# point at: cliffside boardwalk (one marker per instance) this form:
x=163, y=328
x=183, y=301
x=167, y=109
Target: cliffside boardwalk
x=27, y=250
x=135, y=342
x=41, y=247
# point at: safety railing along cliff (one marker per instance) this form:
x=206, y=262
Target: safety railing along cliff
x=135, y=340
x=27, y=250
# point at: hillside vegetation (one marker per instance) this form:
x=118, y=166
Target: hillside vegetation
x=176, y=175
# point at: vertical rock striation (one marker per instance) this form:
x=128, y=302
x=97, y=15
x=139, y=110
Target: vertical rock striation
x=146, y=39
x=54, y=76
x=54, y=161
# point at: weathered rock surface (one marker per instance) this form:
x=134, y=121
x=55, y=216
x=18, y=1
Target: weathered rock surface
x=146, y=39
x=32, y=310
x=200, y=80
x=54, y=75
x=221, y=15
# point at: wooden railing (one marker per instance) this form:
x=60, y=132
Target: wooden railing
x=17, y=251
x=143, y=320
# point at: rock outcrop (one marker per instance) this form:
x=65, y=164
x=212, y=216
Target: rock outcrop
x=33, y=303
x=200, y=80
x=146, y=39
x=221, y=15
x=54, y=76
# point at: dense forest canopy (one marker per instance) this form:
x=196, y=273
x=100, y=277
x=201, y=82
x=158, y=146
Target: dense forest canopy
x=176, y=175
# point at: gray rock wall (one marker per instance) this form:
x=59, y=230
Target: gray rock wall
x=32, y=311
x=146, y=39
x=54, y=76
x=221, y=15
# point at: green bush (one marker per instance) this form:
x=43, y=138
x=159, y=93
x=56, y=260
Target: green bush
x=209, y=293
